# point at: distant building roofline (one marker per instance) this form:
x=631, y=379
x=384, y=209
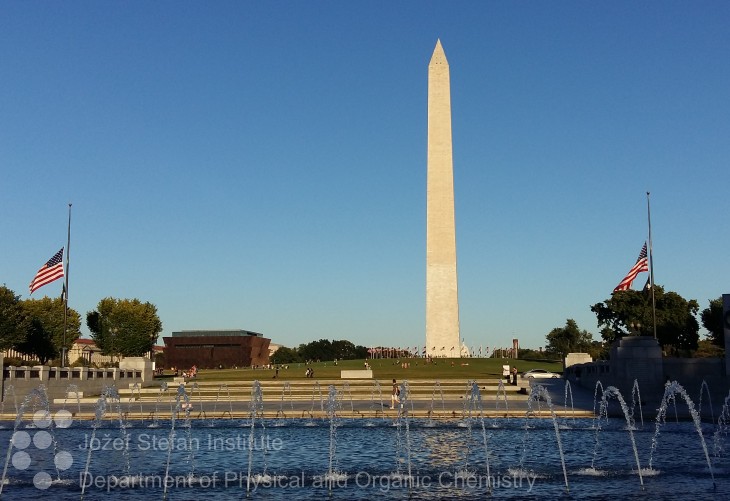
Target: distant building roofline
x=216, y=333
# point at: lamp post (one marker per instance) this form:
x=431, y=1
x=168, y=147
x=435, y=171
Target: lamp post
x=635, y=328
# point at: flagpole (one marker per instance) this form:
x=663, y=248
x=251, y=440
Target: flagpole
x=651, y=266
x=65, y=303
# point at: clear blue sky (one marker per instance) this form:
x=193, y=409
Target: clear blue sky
x=262, y=165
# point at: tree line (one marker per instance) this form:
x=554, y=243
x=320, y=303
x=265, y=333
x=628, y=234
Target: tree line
x=320, y=350
x=35, y=327
x=630, y=312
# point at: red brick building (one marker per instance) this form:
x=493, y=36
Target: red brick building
x=213, y=349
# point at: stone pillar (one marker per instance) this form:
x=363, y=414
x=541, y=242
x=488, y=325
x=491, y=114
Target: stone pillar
x=43, y=372
x=442, y=305
x=637, y=358
x=142, y=364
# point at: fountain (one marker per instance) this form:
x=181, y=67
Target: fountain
x=721, y=430
x=608, y=393
x=569, y=392
x=182, y=404
x=537, y=393
x=347, y=391
x=347, y=458
x=201, y=411
x=109, y=397
x=138, y=399
x=316, y=393
x=706, y=389
x=431, y=409
x=333, y=405
x=501, y=390
x=475, y=410
x=221, y=388
x=286, y=389
x=403, y=436
x=156, y=415
x=636, y=399
x=256, y=415
x=670, y=391
x=595, y=396
x=20, y=440
x=72, y=389
x=376, y=405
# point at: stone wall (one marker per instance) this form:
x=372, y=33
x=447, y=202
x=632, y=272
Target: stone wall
x=59, y=380
x=639, y=358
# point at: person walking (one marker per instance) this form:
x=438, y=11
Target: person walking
x=395, y=395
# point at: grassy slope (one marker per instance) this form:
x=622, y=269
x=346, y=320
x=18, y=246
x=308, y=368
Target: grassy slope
x=441, y=369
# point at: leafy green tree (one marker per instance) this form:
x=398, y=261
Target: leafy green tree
x=707, y=349
x=360, y=352
x=124, y=327
x=676, y=325
x=324, y=349
x=285, y=355
x=568, y=339
x=530, y=354
x=343, y=350
x=317, y=350
x=49, y=312
x=711, y=318
x=38, y=342
x=13, y=322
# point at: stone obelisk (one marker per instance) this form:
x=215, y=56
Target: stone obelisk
x=442, y=303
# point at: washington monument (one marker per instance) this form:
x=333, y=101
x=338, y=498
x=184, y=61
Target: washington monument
x=442, y=302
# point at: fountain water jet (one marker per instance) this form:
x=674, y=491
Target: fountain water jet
x=403, y=425
x=636, y=398
x=608, y=393
x=673, y=388
x=284, y=390
x=569, y=391
x=256, y=413
x=182, y=403
x=377, y=406
x=705, y=389
x=538, y=392
x=476, y=411
x=109, y=394
x=221, y=388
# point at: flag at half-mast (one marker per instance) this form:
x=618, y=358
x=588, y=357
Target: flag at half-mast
x=52, y=270
x=642, y=264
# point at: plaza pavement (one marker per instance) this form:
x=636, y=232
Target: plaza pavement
x=446, y=399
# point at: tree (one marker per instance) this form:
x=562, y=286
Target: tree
x=124, y=327
x=285, y=355
x=38, y=343
x=568, y=339
x=711, y=318
x=324, y=349
x=13, y=322
x=49, y=312
x=707, y=349
x=676, y=324
x=317, y=350
x=343, y=350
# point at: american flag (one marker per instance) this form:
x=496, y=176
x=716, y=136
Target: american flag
x=642, y=264
x=52, y=270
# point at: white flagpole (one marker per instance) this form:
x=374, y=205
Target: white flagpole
x=651, y=266
x=65, y=301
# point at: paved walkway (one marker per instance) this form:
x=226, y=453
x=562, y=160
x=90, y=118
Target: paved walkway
x=449, y=399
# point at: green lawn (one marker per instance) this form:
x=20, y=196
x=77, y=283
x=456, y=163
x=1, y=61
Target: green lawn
x=441, y=369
